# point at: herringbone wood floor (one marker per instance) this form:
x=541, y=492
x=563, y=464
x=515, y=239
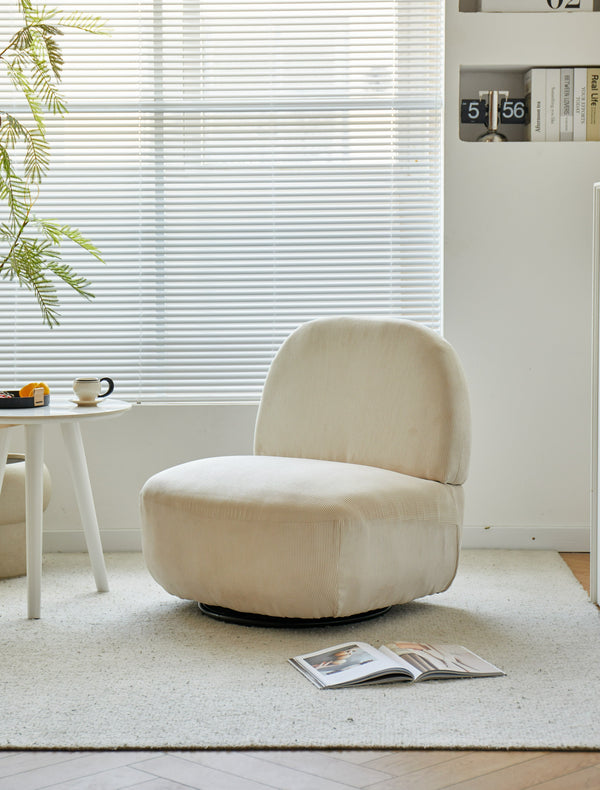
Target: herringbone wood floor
x=307, y=770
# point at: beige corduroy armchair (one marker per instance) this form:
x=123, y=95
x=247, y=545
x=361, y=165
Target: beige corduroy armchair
x=353, y=499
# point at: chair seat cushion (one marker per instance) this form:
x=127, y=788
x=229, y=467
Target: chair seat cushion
x=298, y=537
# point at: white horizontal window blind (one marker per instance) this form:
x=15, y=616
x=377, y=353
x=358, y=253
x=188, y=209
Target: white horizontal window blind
x=243, y=167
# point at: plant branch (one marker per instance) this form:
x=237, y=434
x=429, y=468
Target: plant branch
x=33, y=63
x=18, y=235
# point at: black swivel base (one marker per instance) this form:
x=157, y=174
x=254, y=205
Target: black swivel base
x=266, y=621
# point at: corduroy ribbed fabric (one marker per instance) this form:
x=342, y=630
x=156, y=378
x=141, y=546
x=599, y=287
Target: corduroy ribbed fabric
x=288, y=536
x=381, y=392
x=352, y=500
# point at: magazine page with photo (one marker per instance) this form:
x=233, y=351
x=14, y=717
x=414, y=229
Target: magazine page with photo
x=354, y=663
x=439, y=661
x=347, y=664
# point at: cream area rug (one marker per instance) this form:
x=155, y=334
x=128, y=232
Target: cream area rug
x=136, y=667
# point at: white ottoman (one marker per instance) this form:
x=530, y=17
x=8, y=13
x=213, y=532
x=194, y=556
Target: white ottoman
x=12, y=516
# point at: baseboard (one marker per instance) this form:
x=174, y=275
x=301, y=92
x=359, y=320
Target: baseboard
x=74, y=541
x=541, y=538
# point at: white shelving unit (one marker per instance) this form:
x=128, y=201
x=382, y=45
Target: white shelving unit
x=518, y=276
x=493, y=52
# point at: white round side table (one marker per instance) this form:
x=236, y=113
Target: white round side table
x=69, y=416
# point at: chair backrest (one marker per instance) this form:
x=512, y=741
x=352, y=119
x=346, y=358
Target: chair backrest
x=380, y=392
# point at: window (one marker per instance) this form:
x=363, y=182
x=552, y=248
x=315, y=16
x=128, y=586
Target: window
x=243, y=166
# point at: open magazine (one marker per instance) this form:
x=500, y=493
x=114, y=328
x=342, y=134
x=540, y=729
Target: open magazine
x=354, y=663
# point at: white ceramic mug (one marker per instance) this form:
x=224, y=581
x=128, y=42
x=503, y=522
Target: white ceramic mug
x=88, y=388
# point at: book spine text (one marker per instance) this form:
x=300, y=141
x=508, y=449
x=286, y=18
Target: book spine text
x=593, y=106
x=535, y=95
x=552, y=105
x=579, y=104
x=566, y=104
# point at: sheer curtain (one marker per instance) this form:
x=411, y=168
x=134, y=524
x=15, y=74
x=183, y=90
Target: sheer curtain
x=243, y=167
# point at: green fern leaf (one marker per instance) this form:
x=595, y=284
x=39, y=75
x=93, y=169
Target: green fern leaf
x=30, y=246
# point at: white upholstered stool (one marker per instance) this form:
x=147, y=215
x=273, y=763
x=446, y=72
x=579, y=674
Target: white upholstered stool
x=13, y=550
x=353, y=499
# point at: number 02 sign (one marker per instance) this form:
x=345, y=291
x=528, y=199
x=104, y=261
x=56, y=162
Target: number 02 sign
x=536, y=5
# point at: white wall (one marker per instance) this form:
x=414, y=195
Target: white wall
x=518, y=307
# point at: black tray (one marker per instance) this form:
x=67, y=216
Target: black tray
x=20, y=403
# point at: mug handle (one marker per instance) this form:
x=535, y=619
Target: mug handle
x=111, y=386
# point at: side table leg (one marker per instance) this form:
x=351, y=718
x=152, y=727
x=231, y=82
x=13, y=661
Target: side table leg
x=34, y=508
x=85, y=501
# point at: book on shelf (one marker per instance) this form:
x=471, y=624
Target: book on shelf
x=535, y=96
x=592, y=104
x=552, y=105
x=357, y=663
x=529, y=6
x=566, y=103
x=579, y=104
